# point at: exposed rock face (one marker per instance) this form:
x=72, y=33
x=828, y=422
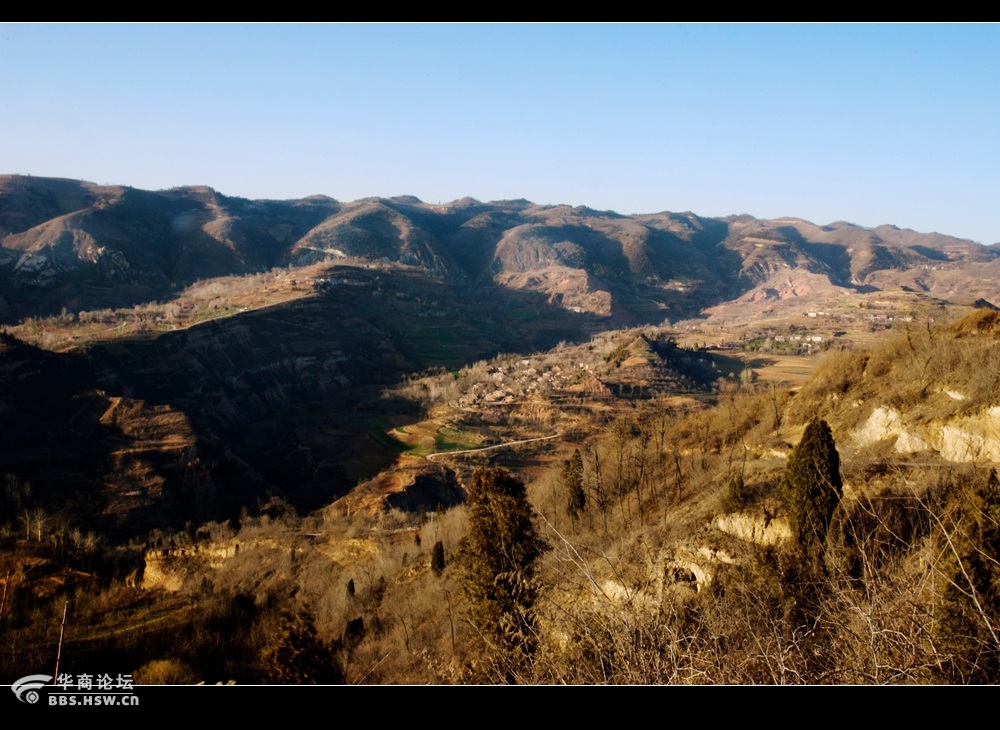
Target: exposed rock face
x=572, y=289
x=961, y=439
x=161, y=573
x=755, y=527
x=173, y=569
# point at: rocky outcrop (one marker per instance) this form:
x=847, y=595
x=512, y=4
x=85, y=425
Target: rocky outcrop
x=758, y=527
x=964, y=438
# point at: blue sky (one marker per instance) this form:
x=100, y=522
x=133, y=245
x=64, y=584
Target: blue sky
x=866, y=123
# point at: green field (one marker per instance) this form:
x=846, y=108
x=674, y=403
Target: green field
x=450, y=439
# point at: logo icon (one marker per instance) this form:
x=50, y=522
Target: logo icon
x=26, y=688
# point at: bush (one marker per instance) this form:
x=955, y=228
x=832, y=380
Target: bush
x=165, y=671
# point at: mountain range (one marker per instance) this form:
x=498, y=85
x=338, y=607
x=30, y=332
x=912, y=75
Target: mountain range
x=77, y=245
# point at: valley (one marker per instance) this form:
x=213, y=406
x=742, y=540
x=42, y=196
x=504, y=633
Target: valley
x=231, y=426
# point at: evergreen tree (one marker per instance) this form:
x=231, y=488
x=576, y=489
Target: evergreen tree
x=813, y=487
x=437, y=558
x=496, y=564
x=572, y=479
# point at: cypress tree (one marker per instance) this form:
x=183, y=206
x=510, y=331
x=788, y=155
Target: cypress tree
x=496, y=562
x=812, y=486
x=437, y=558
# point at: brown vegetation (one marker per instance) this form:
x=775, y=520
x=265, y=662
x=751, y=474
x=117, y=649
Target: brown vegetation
x=647, y=579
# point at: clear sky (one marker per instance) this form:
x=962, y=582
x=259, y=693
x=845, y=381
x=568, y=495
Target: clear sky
x=870, y=124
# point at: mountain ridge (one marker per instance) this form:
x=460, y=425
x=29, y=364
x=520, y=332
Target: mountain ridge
x=78, y=245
